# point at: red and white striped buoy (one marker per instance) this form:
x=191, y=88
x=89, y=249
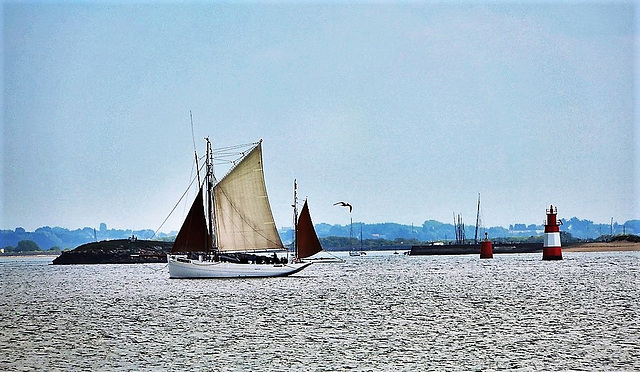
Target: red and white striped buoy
x=552, y=249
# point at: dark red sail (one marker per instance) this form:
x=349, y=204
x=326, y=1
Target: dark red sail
x=193, y=235
x=306, y=237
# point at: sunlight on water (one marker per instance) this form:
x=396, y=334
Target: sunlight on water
x=376, y=312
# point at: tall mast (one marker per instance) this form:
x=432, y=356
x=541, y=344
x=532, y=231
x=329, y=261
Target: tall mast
x=295, y=218
x=459, y=228
x=195, y=153
x=209, y=177
x=350, y=233
x=475, y=239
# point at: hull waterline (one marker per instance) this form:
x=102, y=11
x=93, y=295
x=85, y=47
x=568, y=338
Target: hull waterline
x=185, y=269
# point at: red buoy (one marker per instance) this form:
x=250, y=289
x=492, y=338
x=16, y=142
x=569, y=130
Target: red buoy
x=486, y=248
x=552, y=249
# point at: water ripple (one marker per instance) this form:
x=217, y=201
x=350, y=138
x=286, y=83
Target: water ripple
x=379, y=312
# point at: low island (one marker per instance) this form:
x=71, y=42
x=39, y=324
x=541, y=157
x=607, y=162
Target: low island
x=122, y=251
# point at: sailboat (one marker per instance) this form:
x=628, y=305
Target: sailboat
x=352, y=252
x=236, y=236
x=306, y=242
x=361, y=252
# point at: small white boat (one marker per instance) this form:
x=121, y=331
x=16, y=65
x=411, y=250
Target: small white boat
x=236, y=237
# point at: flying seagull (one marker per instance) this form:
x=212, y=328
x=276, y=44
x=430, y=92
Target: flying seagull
x=344, y=204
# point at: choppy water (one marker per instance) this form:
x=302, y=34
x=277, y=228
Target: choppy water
x=377, y=312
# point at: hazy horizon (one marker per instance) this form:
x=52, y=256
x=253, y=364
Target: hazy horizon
x=468, y=224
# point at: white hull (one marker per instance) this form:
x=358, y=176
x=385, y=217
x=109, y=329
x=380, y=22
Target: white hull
x=182, y=268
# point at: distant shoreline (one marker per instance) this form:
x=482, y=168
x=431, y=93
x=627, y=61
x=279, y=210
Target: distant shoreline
x=615, y=246
x=30, y=254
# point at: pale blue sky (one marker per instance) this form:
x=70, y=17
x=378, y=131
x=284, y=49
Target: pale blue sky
x=405, y=110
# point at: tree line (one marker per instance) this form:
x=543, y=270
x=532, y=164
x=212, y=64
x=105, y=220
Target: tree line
x=388, y=234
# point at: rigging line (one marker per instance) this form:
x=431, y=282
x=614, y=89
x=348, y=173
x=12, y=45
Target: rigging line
x=234, y=147
x=195, y=151
x=193, y=137
x=159, y=269
x=228, y=154
x=231, y=156
x=333, y=255
x=193, y=166
x=175, y=206
x=237, y=162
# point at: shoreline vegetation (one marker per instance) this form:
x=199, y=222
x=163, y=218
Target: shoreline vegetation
x=334, y=237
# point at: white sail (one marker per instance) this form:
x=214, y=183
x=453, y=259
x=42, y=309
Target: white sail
x=243, y=217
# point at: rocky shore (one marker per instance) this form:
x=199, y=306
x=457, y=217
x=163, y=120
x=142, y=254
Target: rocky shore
x=123, y=251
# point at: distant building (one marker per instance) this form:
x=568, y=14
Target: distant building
x=103, y=227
